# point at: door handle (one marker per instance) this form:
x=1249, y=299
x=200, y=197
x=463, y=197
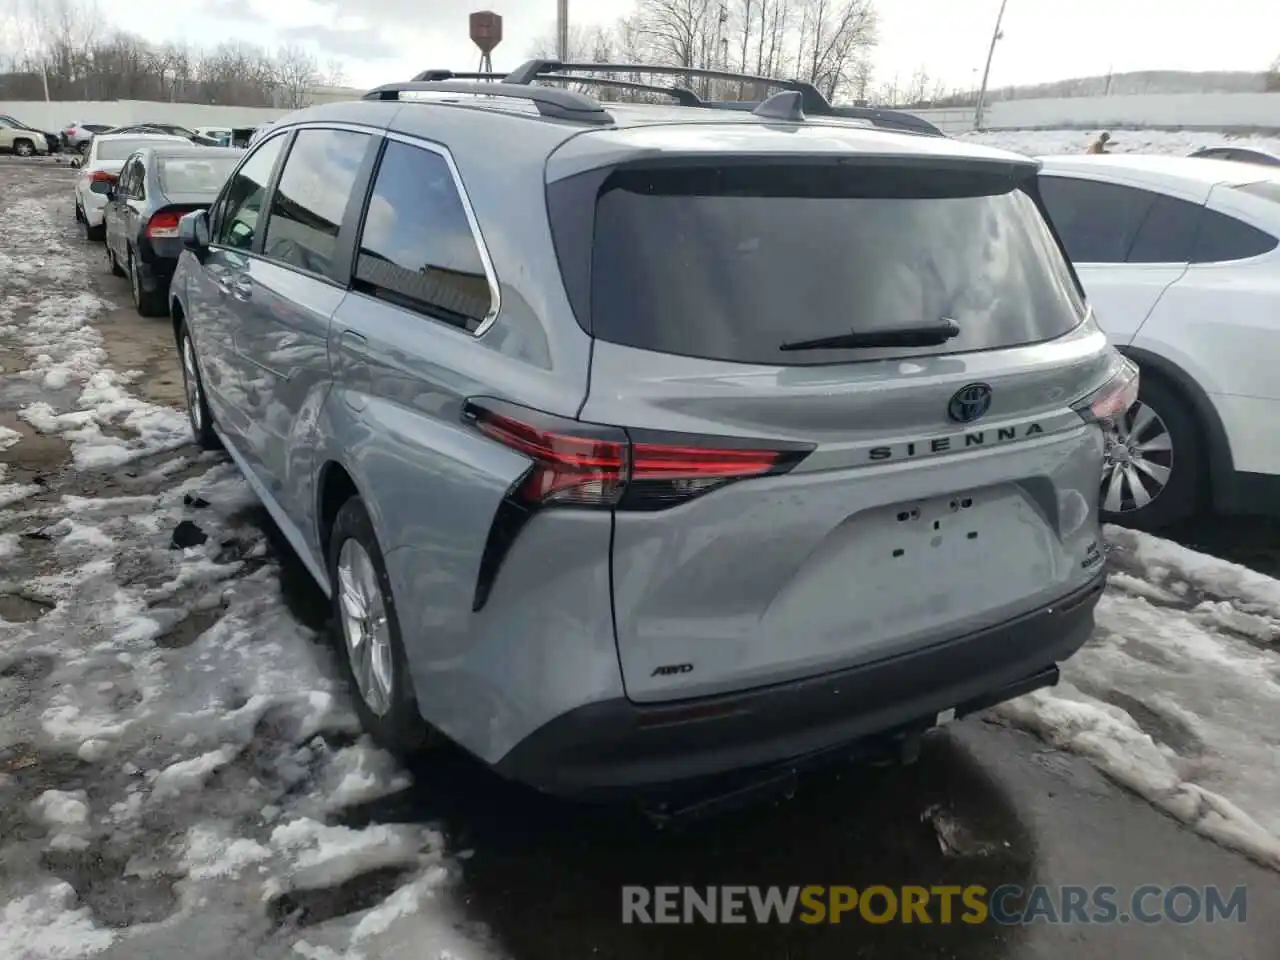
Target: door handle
x=242, y=288
x=353, y=343
x=353, y=370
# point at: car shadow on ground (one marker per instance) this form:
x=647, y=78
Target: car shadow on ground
x=544, y=876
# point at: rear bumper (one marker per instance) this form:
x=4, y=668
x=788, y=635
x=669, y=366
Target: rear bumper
x=618, y=746
x=157, y=262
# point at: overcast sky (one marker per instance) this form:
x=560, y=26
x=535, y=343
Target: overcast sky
x=383, y=40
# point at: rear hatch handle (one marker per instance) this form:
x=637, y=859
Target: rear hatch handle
x=924, y=335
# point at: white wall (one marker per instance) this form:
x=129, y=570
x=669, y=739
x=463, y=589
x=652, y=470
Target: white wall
x=1208, y=111
x=54, y=116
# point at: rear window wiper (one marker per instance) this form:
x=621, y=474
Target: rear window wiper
x=924, y=335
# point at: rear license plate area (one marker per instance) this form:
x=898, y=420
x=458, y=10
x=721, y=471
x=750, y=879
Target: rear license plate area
x=946, y=559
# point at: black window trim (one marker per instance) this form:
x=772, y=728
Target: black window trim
x=218, y=209
x=477, y=236
x=339, y=274
x=340, y=265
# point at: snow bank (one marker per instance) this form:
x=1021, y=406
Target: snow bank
x=1170, y=701
x=1180, y=143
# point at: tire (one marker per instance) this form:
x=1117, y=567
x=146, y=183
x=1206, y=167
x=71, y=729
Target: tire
x=83, y=149
x=93, y=234
x=198, y=414
x=148, y=303
x=1161, y=410
x=24, y=148
x=388, y=711
x=113, y=266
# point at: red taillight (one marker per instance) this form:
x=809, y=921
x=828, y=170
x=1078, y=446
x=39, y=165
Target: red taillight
x=101, y=176
x=1114, y=397
x=600, y=466
x=163, y=224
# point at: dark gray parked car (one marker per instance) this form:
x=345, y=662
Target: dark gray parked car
x=156, y=187
x=641, y=443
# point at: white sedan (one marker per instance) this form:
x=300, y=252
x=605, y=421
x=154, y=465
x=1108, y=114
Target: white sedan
x=1180, y=258
x=107, y=154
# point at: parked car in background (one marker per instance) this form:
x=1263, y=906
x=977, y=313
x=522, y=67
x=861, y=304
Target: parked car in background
x=169, y=129
x=1239, y=155
x=795, y=460
x=157, y=185
x=242, y=136
x=98, y=173
x=77, y=134
x=220, y=135
x=1179, y=256
x=18, y=138
x=259, y=132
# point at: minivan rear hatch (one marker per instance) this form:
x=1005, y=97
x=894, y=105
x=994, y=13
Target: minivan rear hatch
x=848, y=384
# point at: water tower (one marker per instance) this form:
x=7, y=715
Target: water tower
x=486, y=33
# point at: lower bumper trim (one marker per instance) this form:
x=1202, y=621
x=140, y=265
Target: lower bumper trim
x=620, y=747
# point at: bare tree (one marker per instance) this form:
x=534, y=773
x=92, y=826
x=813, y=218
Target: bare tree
x=1271, y=80
x=296, y=72
x=679, y=31
x=834, y=36
x=335, y=74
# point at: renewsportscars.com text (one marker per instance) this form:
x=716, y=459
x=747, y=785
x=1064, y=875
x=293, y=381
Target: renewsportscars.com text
x=973, y=904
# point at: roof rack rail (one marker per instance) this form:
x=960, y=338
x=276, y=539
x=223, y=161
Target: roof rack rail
x=682, y=95
x=426, y=76
x=876, y=117
x=550, y=101
x=813, y=100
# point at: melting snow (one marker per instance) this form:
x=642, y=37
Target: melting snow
x=214, y=755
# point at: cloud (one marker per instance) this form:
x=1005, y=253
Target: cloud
x=358, y=43
x=231, y=9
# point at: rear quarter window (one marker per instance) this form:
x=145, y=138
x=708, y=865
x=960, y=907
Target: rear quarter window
x=730, y=262
x=1098, y=222
x=417, y=247
x=1223, y=238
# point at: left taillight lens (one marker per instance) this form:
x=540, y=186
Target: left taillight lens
x=587, y=465
x=163, y=224
x=591, y=465
x=1114, y=398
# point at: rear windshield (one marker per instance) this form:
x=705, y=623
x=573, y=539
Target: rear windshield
x=119, y=149
x=195, y=175
x=729, y=263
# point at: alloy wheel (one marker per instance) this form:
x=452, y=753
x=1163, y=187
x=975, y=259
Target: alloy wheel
x=365, y=627
x=1137, y=460
x=191, y=385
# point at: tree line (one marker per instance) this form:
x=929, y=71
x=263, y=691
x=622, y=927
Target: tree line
x=62, y=50
x=828, y=43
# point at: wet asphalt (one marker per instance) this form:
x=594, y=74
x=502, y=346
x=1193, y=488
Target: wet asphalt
x=543, y=877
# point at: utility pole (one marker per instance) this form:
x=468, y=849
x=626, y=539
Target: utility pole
x=986, y=73
x=562, y=29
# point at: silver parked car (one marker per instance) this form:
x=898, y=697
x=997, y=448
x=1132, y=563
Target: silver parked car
x=76, y=135
x=644, y=443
